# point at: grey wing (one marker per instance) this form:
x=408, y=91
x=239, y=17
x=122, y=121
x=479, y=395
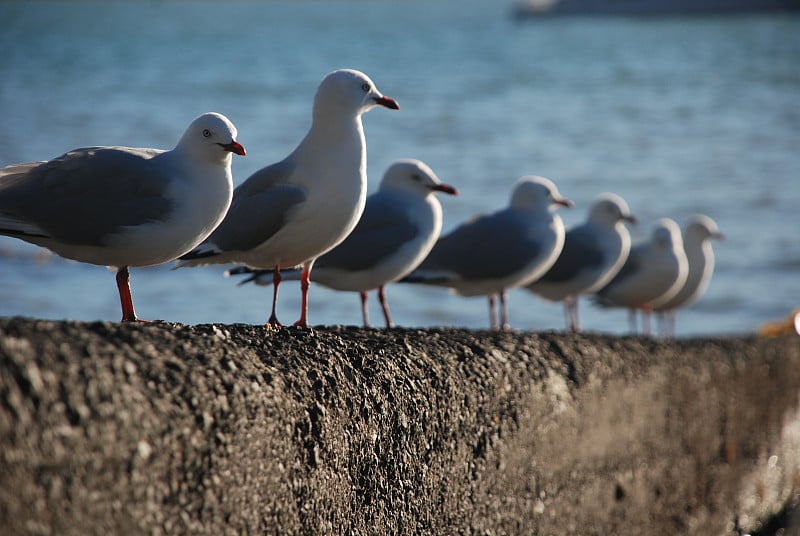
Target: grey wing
x=260, y=208
x=580, y=251
x=266, y=178
x=85, y=195
x=486, y=247
x=632, y=266
x=383, y=228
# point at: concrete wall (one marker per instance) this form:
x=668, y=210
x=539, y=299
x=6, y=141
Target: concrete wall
x=168, y=429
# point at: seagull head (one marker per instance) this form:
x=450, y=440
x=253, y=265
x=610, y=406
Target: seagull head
x=700, y=228
x=351, y=92
x=666, y=235
x=212, y=136
x=610, y=209
x=411, y=175
x=537, y=193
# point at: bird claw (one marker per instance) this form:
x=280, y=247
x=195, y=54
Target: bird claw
x=273, y=325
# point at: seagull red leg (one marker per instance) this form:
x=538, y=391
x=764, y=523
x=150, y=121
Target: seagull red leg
x=567, y=314
x=305, y=282
x=646, y=310
x=276, y=281
x=124, y=287
x=385, y=307
x=504, y=326
x=571, y=308
x=632, y=320
x=492, y=313
x=364, y=311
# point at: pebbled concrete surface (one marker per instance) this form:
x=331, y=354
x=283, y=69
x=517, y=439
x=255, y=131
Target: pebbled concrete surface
x=233, y=429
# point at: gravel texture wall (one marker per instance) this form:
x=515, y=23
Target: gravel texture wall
x=231, y=429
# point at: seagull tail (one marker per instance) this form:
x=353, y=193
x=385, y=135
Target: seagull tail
x=603, y=301
x=18, y=228
x=202, y=255
x=426, y=278
x=262, y=277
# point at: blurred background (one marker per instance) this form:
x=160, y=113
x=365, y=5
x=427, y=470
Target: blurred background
x=677, y=114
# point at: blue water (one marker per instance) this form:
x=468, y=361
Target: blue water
x=677, y=115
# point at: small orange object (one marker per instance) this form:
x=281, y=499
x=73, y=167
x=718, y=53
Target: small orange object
x=788, y=326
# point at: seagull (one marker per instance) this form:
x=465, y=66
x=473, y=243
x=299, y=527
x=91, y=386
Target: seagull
x=593, y=253
x=697, y=235
x=124, y=206
x=491, y=253
x=654, y=272
x=400, y=224
x=291, y=212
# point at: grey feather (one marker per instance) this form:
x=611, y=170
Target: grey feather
x=260, y=208
x=580, y=251
x=131, y=183
x=382, y=230
x=486, y=247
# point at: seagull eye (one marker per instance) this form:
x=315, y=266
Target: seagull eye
x=365, y=87
x=416, y=177
x=206, y=133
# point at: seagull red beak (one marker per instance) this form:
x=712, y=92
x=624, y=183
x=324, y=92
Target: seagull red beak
x=446, y=188
x=234, y=147
x=563, y=202
x=388, y=102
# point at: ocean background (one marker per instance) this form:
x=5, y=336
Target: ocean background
x=678, y=115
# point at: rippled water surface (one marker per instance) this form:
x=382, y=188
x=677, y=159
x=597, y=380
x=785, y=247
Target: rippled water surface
x=677, y=115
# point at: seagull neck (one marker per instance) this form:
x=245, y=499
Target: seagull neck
x=333, y=126
x=537, y=210
x=696, y=246
x=185, y=152
x=342, y=137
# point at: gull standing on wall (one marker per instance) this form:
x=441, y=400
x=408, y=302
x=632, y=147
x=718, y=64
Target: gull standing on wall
x=124, y=206
x=492, y=253
x=291, y=212
x=654, y=272
x=400, y=224
x=593, y=253
x=697, y=235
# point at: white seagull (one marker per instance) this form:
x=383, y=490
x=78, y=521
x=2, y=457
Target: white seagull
x=123, y=206
x=593, y=253
x=494, y=252
x=400, y=224
x=291, y=212
x=654, y=272
x=697, y=235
